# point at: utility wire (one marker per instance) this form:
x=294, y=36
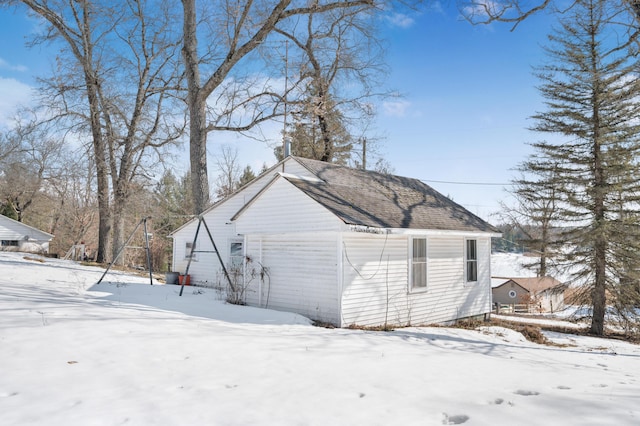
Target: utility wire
x=466, y=183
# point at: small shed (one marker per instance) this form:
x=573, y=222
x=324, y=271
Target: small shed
x=345, y=246
x=531, y=294
x=16, y=236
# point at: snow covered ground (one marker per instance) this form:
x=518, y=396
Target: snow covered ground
x=125, y=352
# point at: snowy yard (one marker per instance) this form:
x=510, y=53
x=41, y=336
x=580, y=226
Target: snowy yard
x=125, y=352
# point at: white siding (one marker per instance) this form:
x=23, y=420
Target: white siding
x=29, y=239
x=380, y=292
x=284, y=208
x=375, y=279
x=207, y=269
x=302, y=274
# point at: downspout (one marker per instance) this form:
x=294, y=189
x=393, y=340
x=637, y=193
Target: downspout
x=340, y=275
x=260, y=263
x=245, y=240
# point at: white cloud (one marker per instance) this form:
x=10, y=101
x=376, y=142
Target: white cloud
x=14, y=95
x=7, y=66
x=401, y=20
x=396, y=108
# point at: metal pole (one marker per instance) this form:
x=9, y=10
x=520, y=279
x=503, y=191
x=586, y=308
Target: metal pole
x=146, y=240
x=120, y=251
x=226, y=274
x=193, y=248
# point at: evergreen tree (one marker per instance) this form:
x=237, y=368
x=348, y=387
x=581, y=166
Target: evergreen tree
x=536, y=212
x=318, y=132
x=590, y=88
x=246, y=177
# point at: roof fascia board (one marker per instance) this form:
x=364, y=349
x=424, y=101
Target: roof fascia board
x=29, y=227
x=236, y=192
x=255, y=197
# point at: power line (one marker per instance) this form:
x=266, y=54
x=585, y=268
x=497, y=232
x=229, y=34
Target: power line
x=466, y=183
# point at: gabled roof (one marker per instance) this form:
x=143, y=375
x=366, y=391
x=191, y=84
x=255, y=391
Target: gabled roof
x=368, y=198
x=535, y=284
x=12, y=229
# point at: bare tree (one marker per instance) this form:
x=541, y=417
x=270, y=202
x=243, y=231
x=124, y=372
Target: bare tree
x=228, y=171
x=29, y=165
x=73, y=207
x=536, y=213
x=124, y=52
x=340, y=68
x=233, y=34
x=516, y=11
x=9, y=144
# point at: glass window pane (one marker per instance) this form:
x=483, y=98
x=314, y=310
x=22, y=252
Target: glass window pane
x=472, y=271
x=419, y=275
x=471, y=249
x=419, y=263
x=419, y=249
x=236, y=249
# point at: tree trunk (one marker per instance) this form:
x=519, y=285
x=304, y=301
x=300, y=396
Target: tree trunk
x=196, y=103
x=102, y=170
x=543, y=250
x=598, y=294
x=118, y=229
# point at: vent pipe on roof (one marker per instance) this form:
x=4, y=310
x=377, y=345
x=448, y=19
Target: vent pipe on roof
x=287, y=147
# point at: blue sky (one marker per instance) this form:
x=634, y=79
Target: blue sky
x=467, y=94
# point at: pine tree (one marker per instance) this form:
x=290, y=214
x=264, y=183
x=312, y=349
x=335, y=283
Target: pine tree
x=319, y=132
x=246, y=177
x=590, y=88
x=536, y=212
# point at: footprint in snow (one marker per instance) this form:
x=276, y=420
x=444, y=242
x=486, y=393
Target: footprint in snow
x=454, y=420
x=526, y=392
x=563, y=387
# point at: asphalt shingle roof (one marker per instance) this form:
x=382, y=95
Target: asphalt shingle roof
x=368, y=198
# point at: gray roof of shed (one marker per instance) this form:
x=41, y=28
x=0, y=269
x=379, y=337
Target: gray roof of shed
x=364, y=197
x=535, y=284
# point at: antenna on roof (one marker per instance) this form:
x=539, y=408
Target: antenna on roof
x=286, y=142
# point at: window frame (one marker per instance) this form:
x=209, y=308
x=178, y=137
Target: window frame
x=412, y=264
x=187, y=251
x=470, y=260
x=240, y=263
x=10, y=243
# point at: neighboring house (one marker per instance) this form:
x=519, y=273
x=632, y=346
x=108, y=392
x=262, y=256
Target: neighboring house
x=534, y=294
x=346, y=247
x=16, y=236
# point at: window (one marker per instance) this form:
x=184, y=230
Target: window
x=187, y=251
x=236, y=254
x=472, y=260
x=10, y=243
x=419, y=263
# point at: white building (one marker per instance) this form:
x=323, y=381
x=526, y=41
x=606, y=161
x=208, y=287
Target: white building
x=345, y=246
x=16, y=236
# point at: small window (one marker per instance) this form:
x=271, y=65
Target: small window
x=236, y=254
x=419, y=263
x=10, y=243
x=472, y=260
x=188, y=248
